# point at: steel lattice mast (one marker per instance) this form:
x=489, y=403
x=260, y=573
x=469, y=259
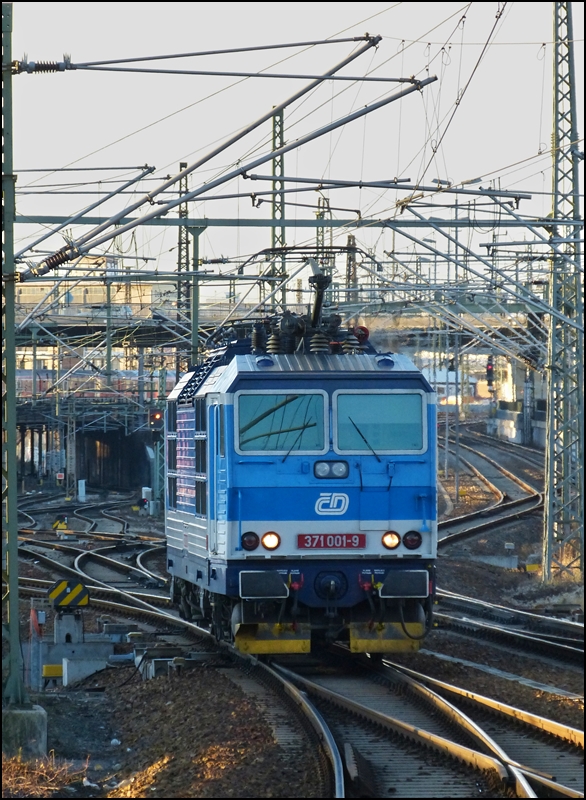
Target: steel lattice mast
x=278, y=234
x=14, y=691
x=564, y=504
x=183, y=265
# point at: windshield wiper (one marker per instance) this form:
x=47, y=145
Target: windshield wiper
x=368, y=444
x=267, y=413
x=277, y=432
x=299, y=435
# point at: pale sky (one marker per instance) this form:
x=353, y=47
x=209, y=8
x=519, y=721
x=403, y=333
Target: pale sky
x=500, y=70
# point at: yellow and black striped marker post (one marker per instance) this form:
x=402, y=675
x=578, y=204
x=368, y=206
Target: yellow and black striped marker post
x=69, y=594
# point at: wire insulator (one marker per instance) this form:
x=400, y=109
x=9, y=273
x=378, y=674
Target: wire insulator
x=47, y=66
x=274, y=343
x=58, y=258
x=319, y=343
x=258, y=339
x=351, y=344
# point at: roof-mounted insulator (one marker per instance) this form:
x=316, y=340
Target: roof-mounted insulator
x=351, y=345
x=319, y=343
x=274, y=343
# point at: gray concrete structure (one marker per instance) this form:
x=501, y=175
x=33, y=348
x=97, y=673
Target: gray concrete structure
x=76, y=669
x=24, y=732
x=39, y=653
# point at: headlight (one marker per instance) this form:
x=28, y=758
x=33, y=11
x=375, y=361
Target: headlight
x=339, y=469
x=271, y=540
x=321, y=469
x=391, y=540
x=330, y=469
x=250, y=540
x=412, y=540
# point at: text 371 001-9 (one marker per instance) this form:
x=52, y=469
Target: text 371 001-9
x=331, y=541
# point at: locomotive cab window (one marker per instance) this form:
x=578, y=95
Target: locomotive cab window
x=281, y=422
x=379, y=422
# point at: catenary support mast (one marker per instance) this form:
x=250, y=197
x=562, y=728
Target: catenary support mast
x=564, y=489
x=14, y=691
x=278, y=234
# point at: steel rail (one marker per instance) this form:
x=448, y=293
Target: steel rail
x=540, y=780
x=533, y=501
x=422, y=738
x=40, y=586
x=147, y=554
x=501, y=444
x=506, y=712
x=565, y=653
x=523, y=484
x=80, y=555
x=316, y=720
x=532, y=621
x=484, y=740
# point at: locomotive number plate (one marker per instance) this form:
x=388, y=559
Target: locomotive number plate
x=331, y=541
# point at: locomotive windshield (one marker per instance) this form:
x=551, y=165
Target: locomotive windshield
x=380, y=422
x=284, y=422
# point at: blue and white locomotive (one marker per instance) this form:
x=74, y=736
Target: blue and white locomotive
x=301, y=490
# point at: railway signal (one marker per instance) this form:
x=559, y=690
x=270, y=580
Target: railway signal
x=490, y=372
x=156, y=419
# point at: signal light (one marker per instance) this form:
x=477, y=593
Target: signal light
x=489, y=371
x=156, y=419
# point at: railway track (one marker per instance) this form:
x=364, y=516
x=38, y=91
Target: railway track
x=561, y=651
x=296, y=723
x=391, y=744
x=460, y=765
x=121, y=564
x=515, y=498
x=96, y=566
x=549, y=754
x=387, y=721
x=558, y=640
x=529, y=454
x=563, y=631
x=412, y=746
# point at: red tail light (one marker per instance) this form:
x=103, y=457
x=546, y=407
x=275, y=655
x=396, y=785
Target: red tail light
x=412, y=540
x=250, y=540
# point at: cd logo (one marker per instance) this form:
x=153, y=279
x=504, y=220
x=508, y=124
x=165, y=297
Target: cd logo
x=332, y=503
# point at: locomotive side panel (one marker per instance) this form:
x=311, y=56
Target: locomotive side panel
x=185, y=512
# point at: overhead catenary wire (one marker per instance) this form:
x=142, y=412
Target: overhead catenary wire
x=371, y=41
x=94, y=237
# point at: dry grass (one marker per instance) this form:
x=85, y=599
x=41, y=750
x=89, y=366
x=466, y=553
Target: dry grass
x=37, y=778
